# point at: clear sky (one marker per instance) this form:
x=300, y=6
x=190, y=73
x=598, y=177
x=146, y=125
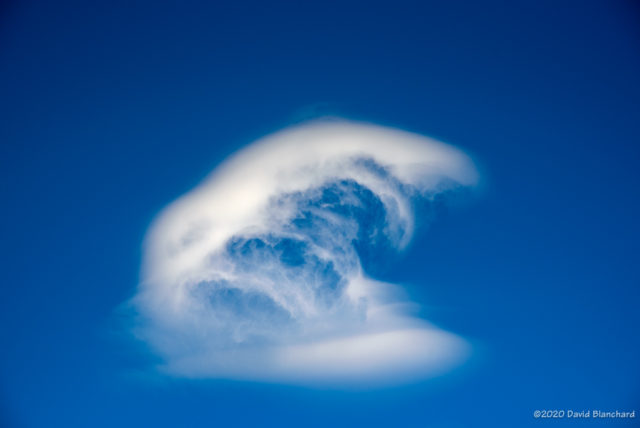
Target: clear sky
x=111, y=111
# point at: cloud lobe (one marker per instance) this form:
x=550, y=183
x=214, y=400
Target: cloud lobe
x=259, y=272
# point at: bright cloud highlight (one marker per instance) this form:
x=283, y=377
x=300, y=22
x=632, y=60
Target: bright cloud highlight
x=258, y=273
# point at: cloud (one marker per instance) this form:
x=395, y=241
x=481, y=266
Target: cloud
x=259, y=273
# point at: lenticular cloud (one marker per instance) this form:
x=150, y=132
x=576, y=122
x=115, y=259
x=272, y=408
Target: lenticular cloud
x=259, y=273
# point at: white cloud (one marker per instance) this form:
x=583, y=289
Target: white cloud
x=257, y=273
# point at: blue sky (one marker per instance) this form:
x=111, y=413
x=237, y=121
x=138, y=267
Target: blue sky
x=112, y=111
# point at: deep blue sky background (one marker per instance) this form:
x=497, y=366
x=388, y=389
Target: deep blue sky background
x=110, y=111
